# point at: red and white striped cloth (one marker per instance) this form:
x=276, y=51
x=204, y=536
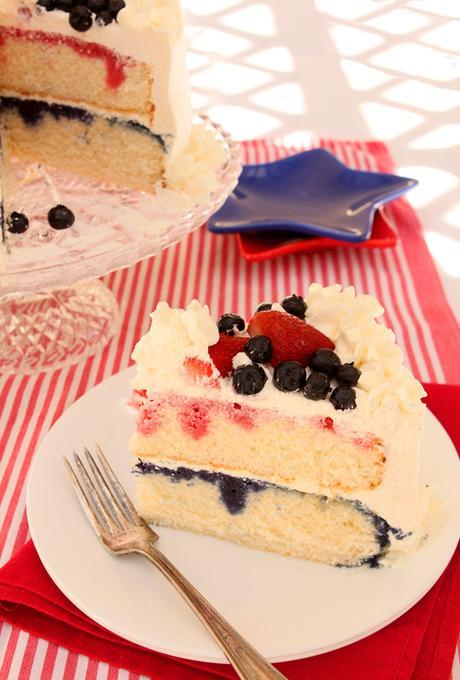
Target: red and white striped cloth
x=209, y=267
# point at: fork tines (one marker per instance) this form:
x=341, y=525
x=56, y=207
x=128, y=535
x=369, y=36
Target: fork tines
x=101, y=495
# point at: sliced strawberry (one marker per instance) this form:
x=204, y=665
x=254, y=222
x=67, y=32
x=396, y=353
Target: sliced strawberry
x=200, y=372
x=292, y=339
x=224, y=350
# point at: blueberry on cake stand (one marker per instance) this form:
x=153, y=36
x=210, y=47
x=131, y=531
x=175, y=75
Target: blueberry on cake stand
x=60, y=232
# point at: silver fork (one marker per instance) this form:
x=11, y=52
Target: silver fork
x=122, y=531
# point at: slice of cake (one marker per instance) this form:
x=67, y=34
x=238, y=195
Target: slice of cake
x=97, y=88
x=297, y=433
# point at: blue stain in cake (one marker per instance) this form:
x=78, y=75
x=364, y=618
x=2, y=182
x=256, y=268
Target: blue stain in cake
x=309, y=193
x=33, y=111
x=233, y=490
x=234, y=493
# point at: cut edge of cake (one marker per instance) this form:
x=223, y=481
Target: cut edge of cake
x=124, y=117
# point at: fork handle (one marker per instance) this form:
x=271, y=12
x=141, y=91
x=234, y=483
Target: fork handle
x=246, y=661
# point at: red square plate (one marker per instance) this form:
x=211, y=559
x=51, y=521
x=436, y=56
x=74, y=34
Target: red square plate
x=260, y=246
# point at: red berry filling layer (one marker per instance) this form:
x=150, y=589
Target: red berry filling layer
x=115, y=65
x=195, y=416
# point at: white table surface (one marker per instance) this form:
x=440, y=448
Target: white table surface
x=362, y=69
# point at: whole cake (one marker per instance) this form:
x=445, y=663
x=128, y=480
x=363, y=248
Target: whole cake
x=298, y=432
x=95, y=87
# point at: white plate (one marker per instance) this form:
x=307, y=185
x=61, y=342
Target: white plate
x=287, y=608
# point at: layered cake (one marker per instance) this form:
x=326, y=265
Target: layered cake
x=296, y=431
x=97, y=88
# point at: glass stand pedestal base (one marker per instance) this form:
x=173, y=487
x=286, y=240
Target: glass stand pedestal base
x=43, y=331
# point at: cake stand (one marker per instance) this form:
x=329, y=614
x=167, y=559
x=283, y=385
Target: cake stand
x=53, y=311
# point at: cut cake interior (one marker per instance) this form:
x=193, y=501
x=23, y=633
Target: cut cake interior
x=105, y=100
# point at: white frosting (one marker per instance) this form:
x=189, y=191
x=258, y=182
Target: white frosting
x=194, y=171
x=241, y=359
x=348, y=319
x=174, y=334
x=148, y=31
x=387, y=395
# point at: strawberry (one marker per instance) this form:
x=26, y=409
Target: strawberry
x=198, y=370
x=224, y=350
x=292, y=339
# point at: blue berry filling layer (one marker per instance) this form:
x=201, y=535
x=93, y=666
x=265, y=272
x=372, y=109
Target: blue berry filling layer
x=33, y=111
x=234, y=492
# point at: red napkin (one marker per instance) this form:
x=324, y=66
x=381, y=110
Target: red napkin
x=418, y=646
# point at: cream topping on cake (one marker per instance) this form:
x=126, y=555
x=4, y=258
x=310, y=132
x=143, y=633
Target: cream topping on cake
x=148, y=31
x=174, y=334
x=347, y=318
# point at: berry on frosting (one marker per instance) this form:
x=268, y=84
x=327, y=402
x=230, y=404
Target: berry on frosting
x=80, y=18
x=83, y=12
x=104, y=18
x=343, y=398
x=115, y=6
x=289, y=376
x=317, y=386
x=291, y=338
x=230, y=324
x=49, y=5
x=264, y=307
x=97, y=5
x=60, y=217
x=295, y=305
x=259, y=349
x=64, y=5
x=224, y=350
x=199, y=371
x=249, y=379
x=325, y=361
x=17, y=223
x=348, y=374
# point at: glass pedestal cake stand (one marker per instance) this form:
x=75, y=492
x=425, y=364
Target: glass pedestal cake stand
x=53, y=311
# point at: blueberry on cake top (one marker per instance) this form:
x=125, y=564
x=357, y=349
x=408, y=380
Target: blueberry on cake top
x=304, y=411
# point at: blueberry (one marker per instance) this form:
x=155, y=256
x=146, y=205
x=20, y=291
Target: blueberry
x=325, y=361
x=80, y=18
x=64, y=5
x=317, y=386
x=295, y=305
x=114, y=6
x=348, y=374
x=249, y=379
x=228, y=322
x=259, y=349
x=17, y=223
x=97, y=6
x=343, y=398
x=264, y=307
x=289, y=376
x=60, y=217
x=104, y=18
x=49, y=5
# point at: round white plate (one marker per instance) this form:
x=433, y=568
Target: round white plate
x=287, y=608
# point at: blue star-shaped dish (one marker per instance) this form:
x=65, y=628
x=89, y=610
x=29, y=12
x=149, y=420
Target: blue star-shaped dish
x=309, y=193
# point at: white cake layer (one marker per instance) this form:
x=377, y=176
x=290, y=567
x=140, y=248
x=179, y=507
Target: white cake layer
x=296, y=524
x=395, y=498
